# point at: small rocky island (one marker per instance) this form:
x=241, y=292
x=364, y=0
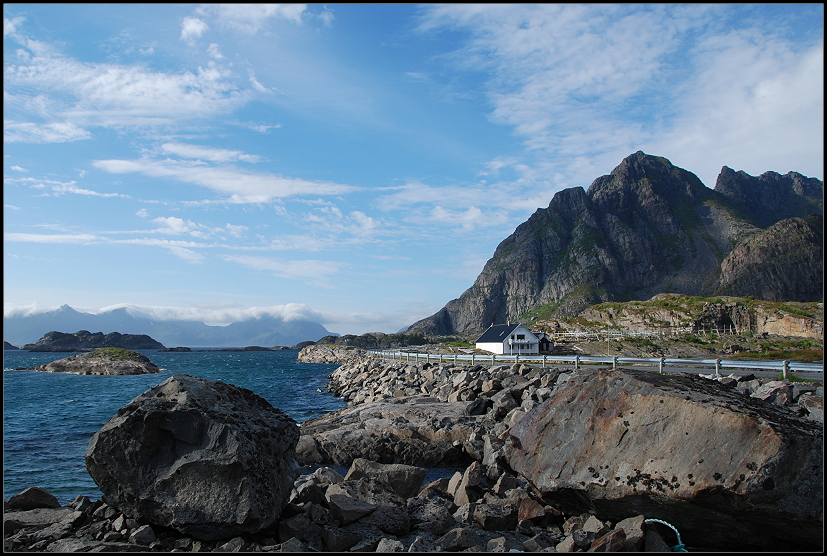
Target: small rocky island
x=83, y=340
x=103, y=361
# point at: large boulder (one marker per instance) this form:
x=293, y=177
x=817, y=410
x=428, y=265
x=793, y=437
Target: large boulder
x=209, y=459
x=724, y=468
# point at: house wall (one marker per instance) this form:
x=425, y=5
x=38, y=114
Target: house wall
x=504, y=348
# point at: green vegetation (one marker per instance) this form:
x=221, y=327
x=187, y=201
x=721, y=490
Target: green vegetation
x=641, y=342
x=116, y=353
x=802, y=356
x=459, y=343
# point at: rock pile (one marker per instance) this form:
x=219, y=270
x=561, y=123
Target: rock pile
x=375, y=507
x=330, y=353
x=599, y=448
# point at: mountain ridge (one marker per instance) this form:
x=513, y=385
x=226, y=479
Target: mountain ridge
x=648, y=227
x=264, y=331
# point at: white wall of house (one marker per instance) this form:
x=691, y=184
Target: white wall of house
x=521, y=341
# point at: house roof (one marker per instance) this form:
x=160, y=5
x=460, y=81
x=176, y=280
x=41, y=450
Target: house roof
x=497, y=333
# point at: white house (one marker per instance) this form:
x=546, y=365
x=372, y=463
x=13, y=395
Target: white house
x=509, y=339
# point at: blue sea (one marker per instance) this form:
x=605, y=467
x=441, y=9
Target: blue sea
x=48, y=418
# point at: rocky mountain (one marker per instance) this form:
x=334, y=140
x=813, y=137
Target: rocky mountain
x=650, y=227
x=265, y=331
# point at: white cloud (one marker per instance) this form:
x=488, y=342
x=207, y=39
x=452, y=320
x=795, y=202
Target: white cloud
x=236, y=231
x=192, y=28
x=186, y=254
x=83, y=94
x=71, y=188
x=756, y=106
x=207, y=153
x=586, y=85
x=332, y=220
x=214, y=52
x=240, y=186
x=10, y=25
x=82, y=239
x=213, y=315
x=312, y=272
x=57, y=132
x=249, y=18
x=18, y=169
x=261, y=128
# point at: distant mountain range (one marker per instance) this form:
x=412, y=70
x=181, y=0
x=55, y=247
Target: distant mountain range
x=265, y=331
x=649, y=228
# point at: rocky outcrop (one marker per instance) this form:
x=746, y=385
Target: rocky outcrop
x=771, y=197
x=208, y=459
x=785, y=261
x=85, y=340
x=103, y=361
x=8, y=347
x=672, y=312
x=732, y=469
x=647, y=228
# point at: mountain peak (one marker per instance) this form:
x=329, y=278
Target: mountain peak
x=649, y=227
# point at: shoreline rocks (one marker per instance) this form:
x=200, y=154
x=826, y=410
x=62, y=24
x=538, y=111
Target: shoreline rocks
x=496, y=424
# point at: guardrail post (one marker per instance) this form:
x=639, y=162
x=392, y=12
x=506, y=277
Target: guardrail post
x=576, y=362
x=544, y=362
x=785, y=369
x=717, y=368
x=660, y=365
x=472, y=359
x=614, y=362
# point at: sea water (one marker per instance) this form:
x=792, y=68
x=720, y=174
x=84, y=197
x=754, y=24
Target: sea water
x=48, y=418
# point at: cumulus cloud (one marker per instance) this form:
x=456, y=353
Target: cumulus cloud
x=192, y=28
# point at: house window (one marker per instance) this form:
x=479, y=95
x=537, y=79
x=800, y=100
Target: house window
x=521, y=336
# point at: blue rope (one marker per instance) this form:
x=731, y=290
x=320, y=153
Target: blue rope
x=680, y=547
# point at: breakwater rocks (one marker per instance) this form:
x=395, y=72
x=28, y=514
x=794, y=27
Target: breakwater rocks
x=548, y=460
x=374, y=507
x=735, y=462
x=331, y=353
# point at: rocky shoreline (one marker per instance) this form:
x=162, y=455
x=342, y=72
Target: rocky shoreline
x=737, y=465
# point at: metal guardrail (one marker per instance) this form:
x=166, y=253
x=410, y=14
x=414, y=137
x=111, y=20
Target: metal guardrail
x=783, y=366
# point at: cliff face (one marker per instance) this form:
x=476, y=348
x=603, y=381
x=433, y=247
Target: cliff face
x=646, y=228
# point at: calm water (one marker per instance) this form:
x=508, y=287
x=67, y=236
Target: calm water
x=48, y=418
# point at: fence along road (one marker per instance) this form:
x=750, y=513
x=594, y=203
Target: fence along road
x=815, y=371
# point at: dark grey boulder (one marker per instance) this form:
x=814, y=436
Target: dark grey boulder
x=209, y=459
x=31, y=498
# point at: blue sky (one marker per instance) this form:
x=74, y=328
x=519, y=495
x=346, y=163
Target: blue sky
x=356, y=165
